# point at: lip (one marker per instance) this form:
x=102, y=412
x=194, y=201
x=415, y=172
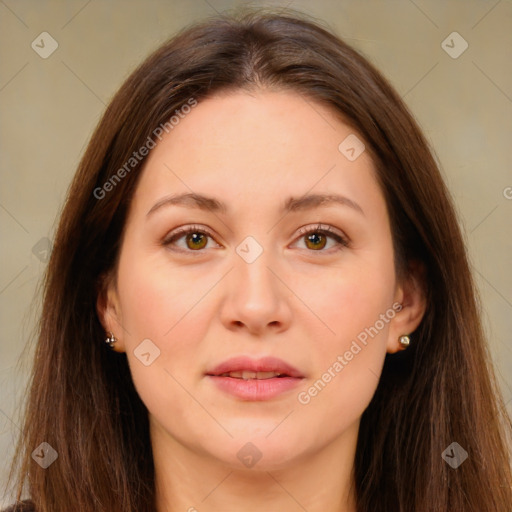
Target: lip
x=264, y=364
x=255, y=389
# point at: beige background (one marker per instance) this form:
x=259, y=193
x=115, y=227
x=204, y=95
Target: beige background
x=50, y=107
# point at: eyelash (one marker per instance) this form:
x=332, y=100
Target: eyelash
x=324, y=229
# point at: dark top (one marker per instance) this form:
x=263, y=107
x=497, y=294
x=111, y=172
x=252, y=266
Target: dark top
x=23, y=506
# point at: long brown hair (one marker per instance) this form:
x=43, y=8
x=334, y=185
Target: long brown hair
x=441, y=390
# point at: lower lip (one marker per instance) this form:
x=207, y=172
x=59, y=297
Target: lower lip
x=255, y=389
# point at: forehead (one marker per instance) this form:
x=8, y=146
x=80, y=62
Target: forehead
x=256, y=147
x=263, y=124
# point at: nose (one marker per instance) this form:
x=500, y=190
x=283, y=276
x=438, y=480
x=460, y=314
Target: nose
x=257, y=298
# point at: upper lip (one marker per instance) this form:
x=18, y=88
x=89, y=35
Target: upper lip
x=264, y=364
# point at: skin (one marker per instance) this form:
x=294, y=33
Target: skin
x=303, y=303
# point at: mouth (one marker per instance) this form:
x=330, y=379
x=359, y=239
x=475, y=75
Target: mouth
x=244, y=367
x=247, y=375
x=254, y=379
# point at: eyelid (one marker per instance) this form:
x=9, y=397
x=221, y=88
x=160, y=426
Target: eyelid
x=341, y=239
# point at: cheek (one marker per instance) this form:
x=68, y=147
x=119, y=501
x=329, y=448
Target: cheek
x=355, y=302
x=352, y=298
x=157, y=299
x=163, y=305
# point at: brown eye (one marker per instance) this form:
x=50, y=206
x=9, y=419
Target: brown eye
x=195, y=239
x=316, y=238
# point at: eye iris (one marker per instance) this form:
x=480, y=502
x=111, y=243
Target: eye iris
x=316, y=236
x=195, y=237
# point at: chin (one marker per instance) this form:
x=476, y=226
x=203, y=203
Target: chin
x=257, y=450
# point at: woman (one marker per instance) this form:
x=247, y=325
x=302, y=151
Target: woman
x=259, y=232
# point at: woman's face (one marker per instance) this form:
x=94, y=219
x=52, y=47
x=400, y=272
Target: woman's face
x=250, y=283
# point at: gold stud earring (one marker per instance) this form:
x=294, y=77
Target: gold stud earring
x=405, y=341
x=111, y=339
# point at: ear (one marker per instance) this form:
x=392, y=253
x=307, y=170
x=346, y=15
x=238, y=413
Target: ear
x=109, y=311
x=411, y=294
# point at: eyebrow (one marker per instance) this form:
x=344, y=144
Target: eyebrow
x=292, y=204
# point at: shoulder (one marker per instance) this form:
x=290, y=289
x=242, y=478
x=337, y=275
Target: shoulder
x=22, y=506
